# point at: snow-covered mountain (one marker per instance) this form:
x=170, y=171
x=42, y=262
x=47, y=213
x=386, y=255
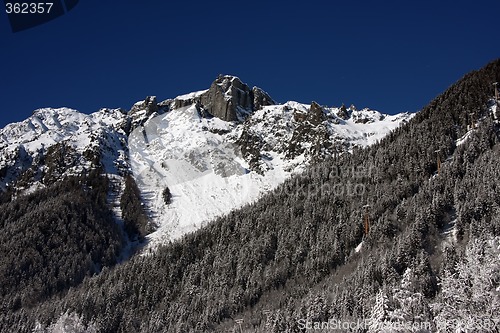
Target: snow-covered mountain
x=55, y=143
x=215, y=149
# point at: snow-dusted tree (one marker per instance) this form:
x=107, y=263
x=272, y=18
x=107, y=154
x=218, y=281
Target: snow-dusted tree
x=317, y=309
x=410, y=306
x=379, y=315
x=71, y=323
x=167, y=196
x=38, y=328
x=470, y=297
x=276, y=322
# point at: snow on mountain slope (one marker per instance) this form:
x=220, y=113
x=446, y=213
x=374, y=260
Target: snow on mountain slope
x=213, y=166
x=204, y=171
x=54, y=143
x=278, y=123
x=215, y=149
x=474, y=123
x=365, y=134
x=191, y=95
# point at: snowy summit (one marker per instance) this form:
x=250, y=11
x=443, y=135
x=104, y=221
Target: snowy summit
x=215, y=149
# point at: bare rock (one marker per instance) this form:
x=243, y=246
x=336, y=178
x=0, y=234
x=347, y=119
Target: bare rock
x=232, y=100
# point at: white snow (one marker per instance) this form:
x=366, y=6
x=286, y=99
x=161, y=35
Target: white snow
x=200, y=162
x=25, y=143
x=369, y=133
x=199, y=159
x=460, y=141
x=359, y=247
x=191, y=95
x=449, y=232
x=204, y=171
x=492, y=109
x=81, y=132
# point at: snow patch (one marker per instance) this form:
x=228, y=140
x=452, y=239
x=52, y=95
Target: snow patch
x=200, y=161
x=191, y=95
x=359, y=247
x=203, y=169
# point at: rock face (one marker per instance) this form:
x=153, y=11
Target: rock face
x=261, y=98
x=231, y=100
x=309, y=129
x=227, y=98
x=343, y=113
x=149, y=105
x=316, y=114
x=141, y=111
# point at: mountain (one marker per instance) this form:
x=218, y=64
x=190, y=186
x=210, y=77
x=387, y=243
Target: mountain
x=402, y=235
x=215, y=150
x=54, y=143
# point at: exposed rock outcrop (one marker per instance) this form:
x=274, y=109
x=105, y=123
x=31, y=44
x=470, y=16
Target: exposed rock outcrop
x=251, y=145
x=227, y=98
x=231, y=100
x=316, y=114
x=142, y=111
x=343, y=113
x=310, y=130
x=261, y=98
x=149, y=104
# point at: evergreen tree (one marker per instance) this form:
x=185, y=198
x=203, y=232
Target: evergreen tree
x=167, y=196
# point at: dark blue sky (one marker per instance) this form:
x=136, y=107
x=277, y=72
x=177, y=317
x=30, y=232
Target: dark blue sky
x=390, y=56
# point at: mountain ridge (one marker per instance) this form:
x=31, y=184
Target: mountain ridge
x=306, y=254
x=243, y=138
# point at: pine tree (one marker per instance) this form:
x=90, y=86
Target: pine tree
x=470, y=295
x=167, y=196
x=379, y=315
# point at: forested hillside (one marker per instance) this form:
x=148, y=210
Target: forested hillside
x=405, y=231
x=52, y=239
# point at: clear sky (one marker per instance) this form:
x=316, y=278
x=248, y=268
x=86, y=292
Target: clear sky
x=392, y=56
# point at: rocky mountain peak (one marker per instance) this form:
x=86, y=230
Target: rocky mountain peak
x=230, y=99
x=141, y=111
x=343, y=112
x=316, y=114
x=228, y=81
x=149, y=104
x=261, y=99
